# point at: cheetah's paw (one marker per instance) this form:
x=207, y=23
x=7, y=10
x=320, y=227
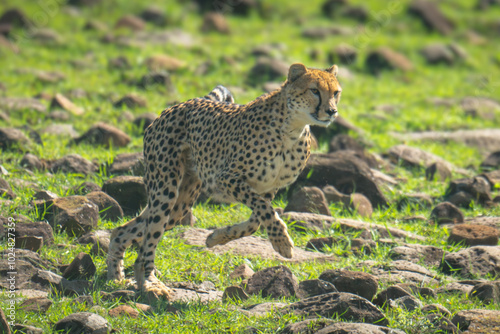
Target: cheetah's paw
x=155, y=290
x=283, y=244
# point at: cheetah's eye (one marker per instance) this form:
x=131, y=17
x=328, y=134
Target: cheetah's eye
x=336, y=93
x=315, y=91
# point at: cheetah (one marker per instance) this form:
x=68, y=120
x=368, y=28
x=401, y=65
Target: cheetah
x=236, y=153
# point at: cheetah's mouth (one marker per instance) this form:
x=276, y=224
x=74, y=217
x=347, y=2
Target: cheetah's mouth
x=325, y=121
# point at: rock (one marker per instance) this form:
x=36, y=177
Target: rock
x=243, y=271
x=437, y=171
x=308, y=199
x=88, y=301
x=314, y=287
x=131, y=101
x=73, y=164
x=76, y=215
x=331, y=8
x=157, y=79
x=345, y=172
x=478, y=106
x=343, y=54
x=60, y=101
x=346, y=306
x=455, y=288
x=318, y=244
x=57, y=284
x=22, y=104
x=357, y=328
x=436, y=308
x=123, y=310
x=144, y=120
x=492, y=161
x=15, y=17
x=131, y=22
x=274, y=282
x=129, y=191
x=95, y=25
x=13, y=139
x=473, y=235
x=4, y=322
x=40, y=305
x=154, y=15
x=109, y=208
x=356, y=282
x=99, y=240
x=127, y=162
x=487, y=292
x=386, y=59
x=324, y=32
x=120, y=62
x=431, y=16
x=19, y=328
x=6, y=190
x=408, y=303
x=413, y=157
x=119, y=296
x=313, y=221
x=267, y=69
x=32, y=243
x=344, y=142
x=214, y=21
x=442, y=324
x=82, y=267
x=104, y=134
x=403, y=271
x=392, y=293
x=477, y=321
x=44, y=195
x=493, y=178
x=83, y=322
x=35, y=229
x=477, y=260
x=61, y=130
x=262, y=309
x=477, y=189
x=415, y=253
x=309, y=326
x=234, y=293
x=485, y=140
x=438, y=53
x=361, y=246
x=446, y=213
x=85, y=188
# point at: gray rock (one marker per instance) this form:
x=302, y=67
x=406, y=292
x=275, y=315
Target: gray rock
x=83, y=322
x=129, y=191
x=474, y=235
x=274, y=282
x=436, y=308
x=13, y=139
x=73, y=164
x=25, y=329
x=314, y=287
x=442, y=324
x=310, y=326
x=415, y=253
x=478, y=189
x=234, y=293
x=482, y=321
x=126, y=163
x=109, y=208
x=82, y=267
x=356, y=282
x=487, y=292
x=408, y=303
x=446, y=213
x=431, y=16
x=385, y=58
x=308, y=199
x=392, y=293
x=346, y=306
x=40, y=305
x=477, y=260
x=357, y=328
x=105, y=135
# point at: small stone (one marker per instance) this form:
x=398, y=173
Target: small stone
x=386, y=59
x=83, y=322
x=391, y=293
x=487, y=292
x=477, y=260
x=492, y=161
x=436, y=308
x=120, y=62
x=144, y=120
x=40, y=305
x=420, y=201
x=73, y=164
x=267, y=69
x=131, y=101
x=243, y=271
x=25, y=329
x=215, y=21
x=234, y=293
x=157, y=79
x=129, y=191
x=431, y=16
x=154, y=15
x=12, y=139
x=314, y=287
x=474, y=235
x=85, y=188
x=357, y=282
x=318, y=244
x=83, y=300
x=408, y=303
x=437, y=171
x=123, y=310
x=33, y=243
x=32, y=162
x=442, y=324
x=163, y=62
x=446, y=213
x=60, y=101
x=82, y=267
x=274, y=282
x=308, y=199
x=438, y=53
x=104, y=134
x=343, y=54
x=362, y=246
x=131, y=22
x=480, y=321
x=109, y=208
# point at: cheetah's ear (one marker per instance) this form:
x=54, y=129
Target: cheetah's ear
x=295, y=71
x=334, y=69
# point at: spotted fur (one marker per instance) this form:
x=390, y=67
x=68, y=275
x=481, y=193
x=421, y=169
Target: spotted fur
x=237, y=153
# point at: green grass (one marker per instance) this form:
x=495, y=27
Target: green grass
x=231, y=59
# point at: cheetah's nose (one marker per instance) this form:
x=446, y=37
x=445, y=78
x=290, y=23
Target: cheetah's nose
x=331, y=111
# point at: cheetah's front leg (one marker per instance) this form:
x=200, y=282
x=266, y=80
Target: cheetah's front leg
x=262, y=213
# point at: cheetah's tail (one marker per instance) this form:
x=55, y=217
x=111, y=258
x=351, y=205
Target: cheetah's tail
x=220, y=94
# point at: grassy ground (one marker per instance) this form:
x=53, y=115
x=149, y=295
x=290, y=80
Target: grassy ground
x=283, y=23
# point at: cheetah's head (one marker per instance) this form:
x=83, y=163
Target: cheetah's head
x=312, y=94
